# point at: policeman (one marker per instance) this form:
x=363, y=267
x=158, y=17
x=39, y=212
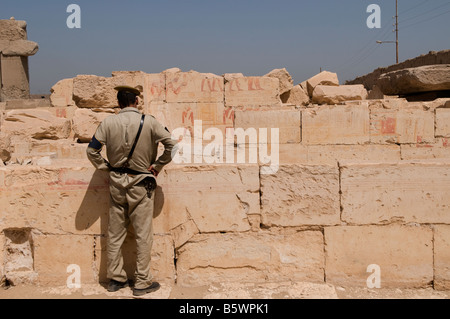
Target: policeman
x=131, y=141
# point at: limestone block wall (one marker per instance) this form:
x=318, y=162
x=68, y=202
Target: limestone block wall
x=359, y=182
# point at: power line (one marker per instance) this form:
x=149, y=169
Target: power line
x=426, y=12
x=425, y=20
x=414, y=7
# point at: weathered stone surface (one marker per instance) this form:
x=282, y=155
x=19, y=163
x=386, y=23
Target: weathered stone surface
x=92, y=91
x=21, y=48
x=414, y=80
x=443, y=122
x=323, y=78
x=15, y=85
x=400, y=123
x=251, y=257
x=62, y=93
x=18, y=257
x=37, y=124
x=340, y=124
x=296, y=96
x=53, y=254
x=56, y=200
x=397, y=191
x=5, y=147
x=404, y=254
x=2, y=256
x=12, y=30
x=331, y=154
x=252, y=91
x=442, y=257
x=325, y=94
x=438, y=150
x=184, y=115
x=188, y=87
x=300, y=195
x=286, y=82
x=215, y=198
x=86, y=122
x=287, y=120
x=183, y=233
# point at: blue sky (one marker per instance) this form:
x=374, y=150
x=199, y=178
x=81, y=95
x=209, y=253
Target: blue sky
x=227, y=36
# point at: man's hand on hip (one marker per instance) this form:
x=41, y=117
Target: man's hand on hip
x=153, y=171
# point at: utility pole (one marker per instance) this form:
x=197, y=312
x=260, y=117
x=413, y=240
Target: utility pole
x=396, y=28
x=396, y=33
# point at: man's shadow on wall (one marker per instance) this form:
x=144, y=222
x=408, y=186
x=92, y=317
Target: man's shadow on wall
x=92, y=216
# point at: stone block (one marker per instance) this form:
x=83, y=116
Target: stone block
x=442, y=257
x=300, y=195
x=296, y=96
x=323, y=78
x=251, y=257
x=55, y=200
x=16, y=84
x=286, y=82
x=286, y=120
x=85, y=123
x=184, y=115
x=438, y=150
x=443, y=122
x=378, y=193
x=400, y=124
x=325, y=94
x=331, y=154
x=53, y=254
x=252, y=91
x=62, y=94
x=340, y=124
x=37, y=124
x=403, y=253
x=215, y=198
x=194, y=87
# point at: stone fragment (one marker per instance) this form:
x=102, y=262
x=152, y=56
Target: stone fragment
x=21, y=48
x=251, y=257
x=85, y=124
x=339, y=124
x=286, y=82
x=12, y=30
x=299, y=195
x=324, y=94
x=415, y=80
x=62, y=94
x=296, y=96
x=398, y=191
x=323, y=78
x=37, y=124
x=404, y=255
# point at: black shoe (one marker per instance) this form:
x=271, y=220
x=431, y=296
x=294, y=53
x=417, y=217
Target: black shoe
x=115, y=285
x=152, y=288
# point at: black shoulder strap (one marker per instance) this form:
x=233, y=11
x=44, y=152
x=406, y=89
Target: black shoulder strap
x=135, y=141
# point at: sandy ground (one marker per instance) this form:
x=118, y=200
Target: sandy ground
x=287, y=290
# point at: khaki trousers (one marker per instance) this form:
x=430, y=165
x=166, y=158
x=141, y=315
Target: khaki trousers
x=130, y=205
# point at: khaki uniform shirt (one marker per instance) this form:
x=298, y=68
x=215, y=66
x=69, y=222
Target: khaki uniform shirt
x=118, y=133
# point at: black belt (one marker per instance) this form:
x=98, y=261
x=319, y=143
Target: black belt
x=123, y=170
